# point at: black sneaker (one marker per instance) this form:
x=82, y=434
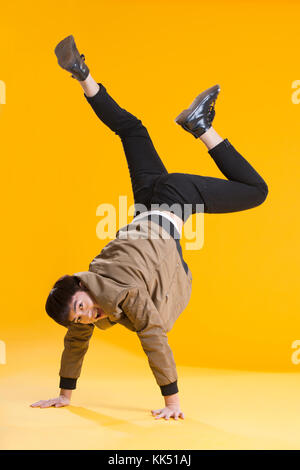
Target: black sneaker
x=198, y=117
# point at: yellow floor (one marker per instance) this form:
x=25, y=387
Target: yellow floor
x=111, y=407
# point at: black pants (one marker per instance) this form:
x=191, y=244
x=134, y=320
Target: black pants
x=152, y=184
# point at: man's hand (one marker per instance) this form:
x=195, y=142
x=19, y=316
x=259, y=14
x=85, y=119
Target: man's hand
x=63, y=400
x=170, y=411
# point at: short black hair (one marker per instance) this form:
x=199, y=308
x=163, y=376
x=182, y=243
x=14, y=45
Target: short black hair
x=58, y=301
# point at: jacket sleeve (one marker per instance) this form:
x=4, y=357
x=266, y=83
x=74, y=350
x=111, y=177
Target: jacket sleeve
x=141, y=311
x=76, y=342
x=104, y=323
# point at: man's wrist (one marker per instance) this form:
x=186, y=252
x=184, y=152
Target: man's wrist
x=172, y=399
x=65, y=393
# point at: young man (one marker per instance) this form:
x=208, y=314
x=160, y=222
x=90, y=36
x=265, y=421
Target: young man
x=140, y=279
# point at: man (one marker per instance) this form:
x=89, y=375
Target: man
x=140, y=279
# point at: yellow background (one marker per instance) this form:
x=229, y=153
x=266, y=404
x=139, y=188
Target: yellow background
x=59, y=162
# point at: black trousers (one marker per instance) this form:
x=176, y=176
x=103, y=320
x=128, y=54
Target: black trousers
x=152, y=185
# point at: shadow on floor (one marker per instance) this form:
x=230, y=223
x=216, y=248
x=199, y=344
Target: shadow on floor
x=100, y=418
x=118, y=407
x=191, y=434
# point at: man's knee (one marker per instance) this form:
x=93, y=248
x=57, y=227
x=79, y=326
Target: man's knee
x=132, y=128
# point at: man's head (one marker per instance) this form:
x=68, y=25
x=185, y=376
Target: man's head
x=70, y=301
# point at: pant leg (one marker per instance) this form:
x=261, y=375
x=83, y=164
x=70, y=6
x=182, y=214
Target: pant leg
x=144, y=164
x=244, y=188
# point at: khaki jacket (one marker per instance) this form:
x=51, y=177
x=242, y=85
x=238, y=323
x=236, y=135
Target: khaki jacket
x=140, y=282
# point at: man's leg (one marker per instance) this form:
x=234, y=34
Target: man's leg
x=243, y=189
x=144, y=164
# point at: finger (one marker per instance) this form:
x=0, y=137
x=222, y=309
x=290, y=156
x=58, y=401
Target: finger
x=161, y=415
x=47, y=403
x=59, y=405
x=156, y=411
x=39, y=403
x=181, y=415
x=176, y=416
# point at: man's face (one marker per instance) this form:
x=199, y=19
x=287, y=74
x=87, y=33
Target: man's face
x=83, y=309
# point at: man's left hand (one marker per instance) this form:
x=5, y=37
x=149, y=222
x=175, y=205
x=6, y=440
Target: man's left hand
x=168, y=412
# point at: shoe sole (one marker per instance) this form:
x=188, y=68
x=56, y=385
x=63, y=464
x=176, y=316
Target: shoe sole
x=65, y=52
x=181, y=118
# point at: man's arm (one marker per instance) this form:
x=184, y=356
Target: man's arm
x=76, y=342
x=141, y=311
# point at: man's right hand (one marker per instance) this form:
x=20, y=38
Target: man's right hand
x=57, y=402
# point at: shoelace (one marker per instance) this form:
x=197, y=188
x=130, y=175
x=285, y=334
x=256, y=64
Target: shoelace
x=83, y=58
x=211, y=111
